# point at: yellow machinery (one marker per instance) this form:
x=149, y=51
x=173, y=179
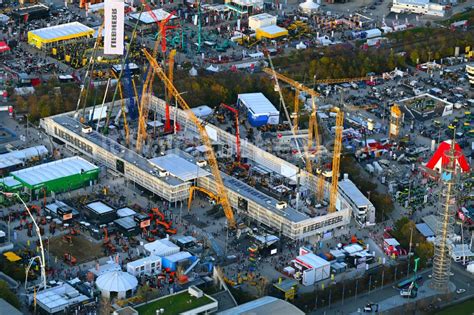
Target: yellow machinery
x=221, y=191
x=143, y=111
x=299, y=87
x=395, y=120
x=313, y=130
x=203, y=190
x=336, y=160
x=171, y=66
x=124, y=112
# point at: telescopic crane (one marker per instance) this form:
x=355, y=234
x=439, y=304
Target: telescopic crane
x=221, y=191
x=237, y=132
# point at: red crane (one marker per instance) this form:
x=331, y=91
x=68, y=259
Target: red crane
x=162, y=27
x=237, y=133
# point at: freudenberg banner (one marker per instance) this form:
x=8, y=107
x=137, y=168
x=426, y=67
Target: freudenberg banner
x=114, y=18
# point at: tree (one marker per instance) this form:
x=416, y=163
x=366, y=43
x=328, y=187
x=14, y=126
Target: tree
x=8, y=295
x=414, y=57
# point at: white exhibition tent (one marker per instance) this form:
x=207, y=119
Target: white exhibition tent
x=116, y=282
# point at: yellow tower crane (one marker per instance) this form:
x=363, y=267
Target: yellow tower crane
x=336, y=160
x=299, y=87
x=211, y=157
x=344, y=80
x=123, y=111
x=313, y=130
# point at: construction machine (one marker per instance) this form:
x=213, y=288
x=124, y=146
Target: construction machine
x=203, y=190
x=336, y=159
x=212, y=161
x=237, y=163
x=313, y=130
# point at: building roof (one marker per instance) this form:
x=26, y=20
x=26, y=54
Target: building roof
x=143, y=261
x=257, y=104
x=261, y=17
x=7, y=308
x=105, y=268
x=391, y=242
x=125, y=212
x=116, y=281
x=59, y=297
x=351, y=190
x=179, y=256
x=161, y=247
x=184, y=239
x=353, y=248
x=118, y=150
x=273, y=30
x=461, y=250
x=202, y=111
x=147, y=18
x=126, y=222
x=412, y=2
x=64, y=30
x=179, y=167
x=312, y=260
x=10, y=182
x=263, y=306
x=100, y=207
x=54, y=170
x=425, y=230
x=18, y=157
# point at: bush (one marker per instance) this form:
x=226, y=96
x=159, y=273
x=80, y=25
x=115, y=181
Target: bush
x=8, y=295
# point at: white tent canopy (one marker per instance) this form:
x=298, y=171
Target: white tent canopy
x=116, y=281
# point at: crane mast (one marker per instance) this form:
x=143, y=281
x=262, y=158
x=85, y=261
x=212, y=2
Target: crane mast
x=336, y=160
x=221, y=191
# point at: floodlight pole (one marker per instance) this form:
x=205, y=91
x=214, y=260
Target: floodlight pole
x=42, y=260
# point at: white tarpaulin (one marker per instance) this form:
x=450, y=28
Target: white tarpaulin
x=114, y=24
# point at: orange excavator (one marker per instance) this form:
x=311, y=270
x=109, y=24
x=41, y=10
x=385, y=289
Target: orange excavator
x=107, y=244
x=167, y=226
x=157, y=212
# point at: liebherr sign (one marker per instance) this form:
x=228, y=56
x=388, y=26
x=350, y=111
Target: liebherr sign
x=113, y=27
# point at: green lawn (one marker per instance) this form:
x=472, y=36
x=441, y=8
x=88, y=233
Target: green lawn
x=174, y=304
x=464, y=308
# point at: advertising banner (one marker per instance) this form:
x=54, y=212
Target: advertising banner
x=114, y=18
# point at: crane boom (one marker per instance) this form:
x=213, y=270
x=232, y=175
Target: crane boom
x=124, y=112
x=336, y=160
x=237, y=132
x=221, y=191
x=344, y=80
x=293, y=83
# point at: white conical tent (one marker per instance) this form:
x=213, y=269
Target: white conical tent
x=193, y=72
x=116, y=281
x=309, y=7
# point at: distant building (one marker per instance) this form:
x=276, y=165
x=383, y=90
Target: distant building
x=362, y=209
x=424, y=107
x=418, y=7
